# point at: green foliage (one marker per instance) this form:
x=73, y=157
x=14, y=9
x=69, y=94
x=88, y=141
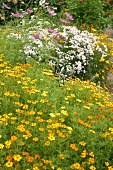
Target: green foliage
x=92, y=13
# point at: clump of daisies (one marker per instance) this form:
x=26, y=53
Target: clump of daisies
x=78, y=53
x=70, y=52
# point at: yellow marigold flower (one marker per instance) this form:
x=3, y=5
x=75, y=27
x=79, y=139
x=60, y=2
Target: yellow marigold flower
x=107, y=163
x=102, y=59
x=47, y=143
x=51, y=138
x=21, y=128
x=91, y=161
x=59, y=169
x=96, y=75
x=34, y=102
x=17, y=157
x=1, y=146
x=81, y=168
x=72, y=95
x=110, y=168
x=7, y=93
x=76, y=165
x=61, y=156
x=44, y=93
x=9, y=164
x=82, y=143
x=92, y=168
x=35, y=139
x=33, y=124
x=52, y=115
x=64, y=112
x=91, y=154
x=41, y=129
x=107, y=61
x=83, y=155
x=35, y=168
x=25, y=107
x=92, y=131
x=8, y=142
x=111, y=129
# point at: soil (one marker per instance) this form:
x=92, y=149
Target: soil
x=110, y=75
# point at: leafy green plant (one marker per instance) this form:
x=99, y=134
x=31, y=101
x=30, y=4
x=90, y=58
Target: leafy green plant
x=92, y=13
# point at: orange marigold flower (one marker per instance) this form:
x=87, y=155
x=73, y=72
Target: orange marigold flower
x=37, y=156
x=30, y=159
x=25, y=153
x=9, y=158
x=13, y=138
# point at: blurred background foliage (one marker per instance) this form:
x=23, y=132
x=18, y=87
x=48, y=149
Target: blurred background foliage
x=89, y=13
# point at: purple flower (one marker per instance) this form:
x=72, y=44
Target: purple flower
x=46, y=4
x=52, y=31
x=64, y=21
x=69, y=16
x=36, y=36
x=17, y=14
x=29, y=11
x=7, y=7
x=52, y=12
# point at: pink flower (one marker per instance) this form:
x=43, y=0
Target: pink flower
x=29, y=11
x=59, y=45
x=17, y=14
x=64, y=21
x=46, y=4
x=7, y=7
x=69, y=16
x=52, y=31
x=60, y=3
x=52, y=12
x=36, y=36
x=81, y=0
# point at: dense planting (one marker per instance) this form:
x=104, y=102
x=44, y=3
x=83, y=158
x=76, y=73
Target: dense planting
x=44, y=126
x=54, y=113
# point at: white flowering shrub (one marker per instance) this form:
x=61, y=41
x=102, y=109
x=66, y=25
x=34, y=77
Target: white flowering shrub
x=33, y=39
x=71, y=52
x=78, y=53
